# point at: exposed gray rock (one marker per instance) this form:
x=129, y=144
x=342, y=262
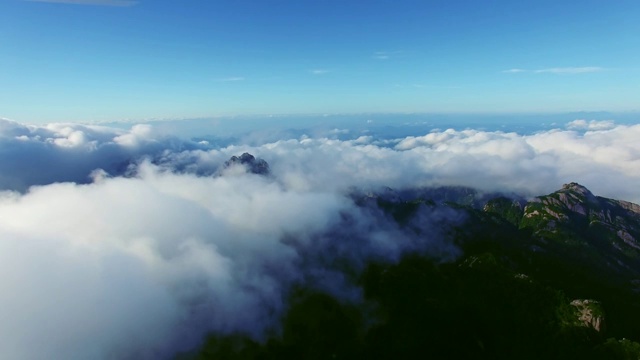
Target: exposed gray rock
x=589, y=314
x=253, y=165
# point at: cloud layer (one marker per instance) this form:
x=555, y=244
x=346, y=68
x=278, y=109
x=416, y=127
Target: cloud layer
x=141, y=267
x=129, y=243
x=599, y=154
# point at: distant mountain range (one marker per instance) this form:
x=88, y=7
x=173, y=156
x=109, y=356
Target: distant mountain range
x=553, y=277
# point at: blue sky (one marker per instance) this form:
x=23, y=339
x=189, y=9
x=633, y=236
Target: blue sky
x=106, y=60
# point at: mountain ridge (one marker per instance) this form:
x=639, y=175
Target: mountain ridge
x=556, y=276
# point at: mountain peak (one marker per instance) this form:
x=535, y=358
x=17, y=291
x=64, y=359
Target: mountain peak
x=253, y=165
x=574, y=192
x=574, y=186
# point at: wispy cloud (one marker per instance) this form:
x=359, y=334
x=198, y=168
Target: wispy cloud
x=320, y=71
x=121, y=3
x=385, y=55
x=513, y=71
x=558, y=70
x=231, y=79
x=571, y=70
x=381, y=56
x=425, y=86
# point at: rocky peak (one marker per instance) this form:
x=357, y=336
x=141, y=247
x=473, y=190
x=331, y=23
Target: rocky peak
x=609, y=229
x=578, y=191
x=572, y=200
x=574, y=186
x=253, y=165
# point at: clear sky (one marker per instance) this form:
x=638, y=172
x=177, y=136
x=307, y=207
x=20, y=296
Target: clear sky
x=88, y=60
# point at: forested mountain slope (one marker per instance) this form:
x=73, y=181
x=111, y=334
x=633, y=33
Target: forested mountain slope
x=557, y=277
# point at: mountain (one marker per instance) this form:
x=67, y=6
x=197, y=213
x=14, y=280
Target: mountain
x=603, y=233
x=253, y=165
x=555, y=277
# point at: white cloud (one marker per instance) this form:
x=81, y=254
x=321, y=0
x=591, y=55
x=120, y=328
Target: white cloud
x=571, y=70
x=558, y=70
x=126, y=265
x=31, y=155
x=231, y=79
x=514, y=71
x=145, y=266
x=385, y=55
x=142, y=265
x=39, y=155
x=606, y=161
x=70, y=152
x=320, y=71
x=120, y=3
x=582, y=124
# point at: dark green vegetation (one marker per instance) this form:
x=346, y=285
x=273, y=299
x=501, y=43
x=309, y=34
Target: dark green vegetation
x=553, y=278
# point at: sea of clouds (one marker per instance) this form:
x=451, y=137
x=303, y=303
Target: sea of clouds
x=133, y=243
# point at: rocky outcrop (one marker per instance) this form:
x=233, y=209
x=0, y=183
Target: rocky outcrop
x=589, y=313
x=253, y=165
